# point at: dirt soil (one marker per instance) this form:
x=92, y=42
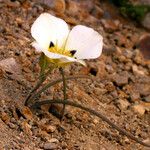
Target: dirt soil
x=120, y=90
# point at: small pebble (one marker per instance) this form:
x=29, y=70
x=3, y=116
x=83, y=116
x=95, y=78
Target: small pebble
x=123, y=104
x=50, y=146
x=121, y=79
x=26, y=148
x=147, y=99
x=50, y=128
x=11, y=125
x=53, y=140
x=139, y=109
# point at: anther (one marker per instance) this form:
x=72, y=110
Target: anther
x=73, y=52
x=51, y=44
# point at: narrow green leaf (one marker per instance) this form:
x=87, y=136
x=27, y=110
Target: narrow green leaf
x=43, y=63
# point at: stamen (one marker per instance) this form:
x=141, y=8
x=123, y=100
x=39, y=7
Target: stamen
x=54, y=49
x=73, y=52
x=51, y=44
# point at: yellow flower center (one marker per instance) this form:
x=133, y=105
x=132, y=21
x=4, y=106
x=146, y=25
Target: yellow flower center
x=55, y=49
x=60, y=51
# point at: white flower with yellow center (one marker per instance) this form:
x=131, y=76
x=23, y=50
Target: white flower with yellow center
x=53, y=38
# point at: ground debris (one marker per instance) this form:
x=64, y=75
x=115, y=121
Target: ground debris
x=120, y=85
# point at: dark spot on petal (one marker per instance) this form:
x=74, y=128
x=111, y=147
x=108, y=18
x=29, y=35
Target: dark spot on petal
x=73, y=52
x=51, y=44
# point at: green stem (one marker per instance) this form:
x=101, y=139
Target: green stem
x=36, y=95
x=64, y=91
x=93, y=112
x=42, y=78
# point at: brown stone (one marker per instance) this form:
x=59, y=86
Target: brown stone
x=146, y=21
x=26, y=128
x=72, y=7
x=123, y=104
x=97, y=12
x=27, y=113
x=50, y=146
x=110, y=25
x=144, y=45
x=5, y=117
x=137, y=71
x=147, y=99
x=120, y=79
x=49, y=128
x=59, y=5
x=11, y=68
x=138, y=108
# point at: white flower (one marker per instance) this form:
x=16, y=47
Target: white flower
x=53, y=38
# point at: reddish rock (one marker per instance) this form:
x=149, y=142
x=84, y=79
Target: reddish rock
x=144, y=45
x=26, y=112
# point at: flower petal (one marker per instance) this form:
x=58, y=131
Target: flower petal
x=48, y=28
x=64, y=60
x=86, y=41
x=37, y=46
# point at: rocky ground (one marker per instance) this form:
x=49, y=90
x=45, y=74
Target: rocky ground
x=120, y=90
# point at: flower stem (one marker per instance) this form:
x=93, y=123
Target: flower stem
x=36, y=95
x=93, y=112
x=64, y=91
x=42, y=78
